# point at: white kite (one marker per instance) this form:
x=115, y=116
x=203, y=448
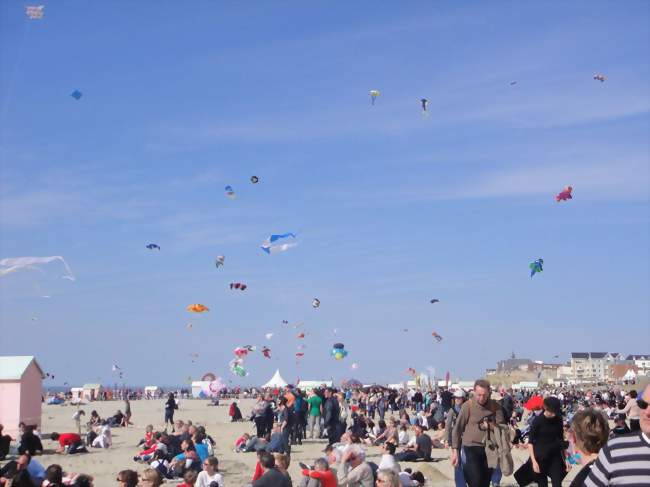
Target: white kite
x=35, y=12
x=269, y=336
x=13, y=264
x=272, y=246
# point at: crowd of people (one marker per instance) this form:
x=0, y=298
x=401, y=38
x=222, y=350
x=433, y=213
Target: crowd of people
x=557, y=429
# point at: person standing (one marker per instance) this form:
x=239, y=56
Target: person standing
x=632, y=410
x=315, y=410
x=475, y=417
x=331, y=413
x=285, y=420
x=450, y=421
x=547, y=448
x=590, y=431
x=170, y=407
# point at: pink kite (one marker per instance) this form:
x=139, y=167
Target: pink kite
x=564, y=195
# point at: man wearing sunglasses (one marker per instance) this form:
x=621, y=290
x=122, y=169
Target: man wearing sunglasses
x=625, y=460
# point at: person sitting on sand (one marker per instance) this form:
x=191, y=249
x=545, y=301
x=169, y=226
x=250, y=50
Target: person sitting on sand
x=5, y=441
x=127, y=478
x=210, y=473
x=282, y=462
x=68, y=442
x=240, y=443
x=321, y=475
x=161, y=445
x=201, y=447
x=271, y=477
x=104, y=438
x=234, y=413
x=189, y=479
x=148, y=439
x=276, y=443
x=421, y=450
x=29, y=442
x=151, y=478
x=95, y=420
x=388, y=461
x=187, y=460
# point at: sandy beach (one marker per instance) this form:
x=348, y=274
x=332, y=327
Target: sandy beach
x=236, y=467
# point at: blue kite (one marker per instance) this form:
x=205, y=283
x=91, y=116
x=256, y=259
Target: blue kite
x=152, y=246
x=271, y=245
x=536, y=267
x=76, y=94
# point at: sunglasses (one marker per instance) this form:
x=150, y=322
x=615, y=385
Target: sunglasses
x=642, y=404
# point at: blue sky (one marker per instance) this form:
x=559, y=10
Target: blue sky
x=392, y=208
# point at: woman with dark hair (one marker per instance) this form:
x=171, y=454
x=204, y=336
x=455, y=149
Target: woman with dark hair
x=53, y=476
x=170, y=407
x=590, y=432
x=546, y=447
x=128, y=478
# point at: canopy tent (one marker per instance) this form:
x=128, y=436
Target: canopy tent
x=276, y=381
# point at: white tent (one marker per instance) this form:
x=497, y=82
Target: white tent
x=276, y=381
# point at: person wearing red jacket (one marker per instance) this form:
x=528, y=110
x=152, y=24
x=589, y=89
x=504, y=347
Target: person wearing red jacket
x=320, y=472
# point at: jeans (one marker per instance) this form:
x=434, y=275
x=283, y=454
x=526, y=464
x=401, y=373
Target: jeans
x=459, y=478
x=314, y=422
x=286, y=445
x=475, y=468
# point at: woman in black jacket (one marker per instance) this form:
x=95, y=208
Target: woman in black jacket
x=547, y=448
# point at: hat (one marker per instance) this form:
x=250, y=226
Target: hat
x=459, y=393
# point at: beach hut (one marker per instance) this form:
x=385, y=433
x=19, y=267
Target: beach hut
x=91, y=392
x=21, y=392
x=275, y=381
x=77, y=393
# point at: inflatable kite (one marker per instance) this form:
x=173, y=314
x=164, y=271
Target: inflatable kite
x=315, y=303
x=436, y=336
x=238, y=285
x=338, y=351
x=237, y=367
x=152, y=246
x=373, y=96
x=255, y=179
x=35, y=12
x=272, y=246
x=424, y=103
x=266, y=351
x=434, y=301
x=564, y=195
x=76, y=94
x=197, y=308
x=536, y=267
x=208, y=377
x=13, y=264
x=241, y=352
x=300, y=335
x=300, y=354
x=219, y=261
x=600, y=77
x=230, y=193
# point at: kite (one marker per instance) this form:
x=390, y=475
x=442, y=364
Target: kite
x=336, y=331
x=255, y=179
x=49, y=376
x=269, y=336
x=194, y=356
x=405, y=330
x=513, y=83
x=219, y=261
x=270, y=245
x=189, y=326
x=565, y=194
x=230, y=193
x=152, y=246
x=115, y=368
x=434, y=301
x=338, y=351
x=238, y=285
x=285, y=322
x=600, y=77
x=300, y=335
x=241, y=352
x=354, y=366
x=302, y=346
x=315, y=303
x=536, y=267
x=411, y=371
x=35, y=12
x=424, y=103
x=13, y=264
x=237, y=367
x=34, y=318
x=266, y=351
x=76, y=94
x=215, y=386
x=300, y=354
x=436, y=336
x=209, y=377
x=373, y=96
x=197, y=308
